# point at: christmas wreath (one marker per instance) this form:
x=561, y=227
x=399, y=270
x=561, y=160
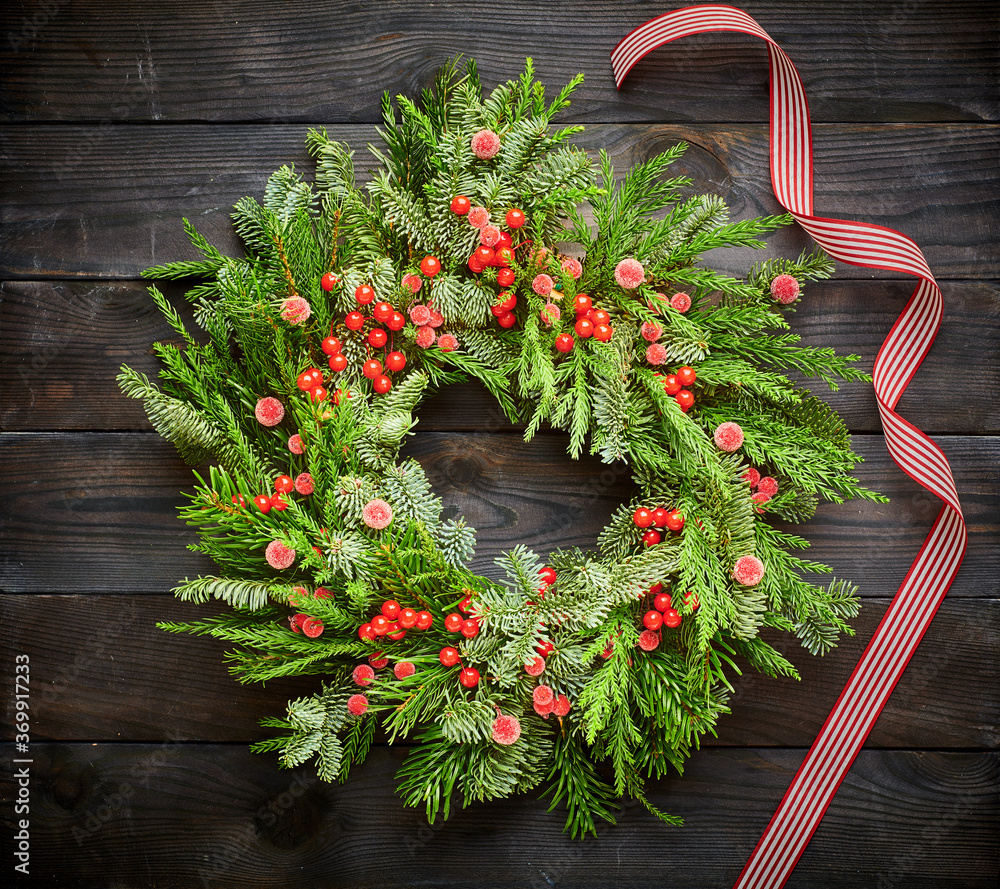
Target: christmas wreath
x=488, y=246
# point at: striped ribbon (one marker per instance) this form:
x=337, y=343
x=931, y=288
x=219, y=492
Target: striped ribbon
x=932, y=572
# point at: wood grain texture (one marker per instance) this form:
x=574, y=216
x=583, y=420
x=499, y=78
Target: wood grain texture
x=89, y=685
x=62, y=342
x=183, y=815
x=107, y=201
x=228, y=61
x=96, y=512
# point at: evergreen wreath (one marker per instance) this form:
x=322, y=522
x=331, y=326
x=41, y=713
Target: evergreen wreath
x=586, y=675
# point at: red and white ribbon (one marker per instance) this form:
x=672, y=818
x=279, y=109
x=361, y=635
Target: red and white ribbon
x=932, y=572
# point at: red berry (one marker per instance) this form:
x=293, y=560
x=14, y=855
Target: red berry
x=584, y=328
x=675, y=521
x=505, y=240
x=691, y=598
x=396, y=632
x=391, y=609
x=312, y=627
x=671, y=385
x=642, y=517
x=545, y=648
x=469, y=677
x=263, y=503
x=515, y=218
x=600, y=317
x=382, y=312
x=504, y=256
x=655, y=589
x=239, y=500
x=309, y=378
x=380, y=624
x=448, y=656
x=378, y=660
x=602, y=332
x=652, y=620
x=508, y=301
x=331, y=345
x=328, y=281
x=407, y=618
x=364, y=295
x=686, y=376
x=430, y=266
x=685, y=399
x=465, y=606
x=547, y=575
x=381, y=384
x=564, y=342
x=460, y=205
x=582, y=304
x=396, y=322
x=470, y=628
x=506, y=277
x=507, y=320
x=485, y=255
x=659, y=517
x=283, y=484
x=425, y=620
x=395, y=361
x=278, y=503
x=453, y=622
x=651, y=538
x=318, y=394
x=366, y=632
x=337, y=362
x=354, y=321
x=671, y=618
x=662, y=602
x=475, y=265
x=372, y=368
x=377, y=337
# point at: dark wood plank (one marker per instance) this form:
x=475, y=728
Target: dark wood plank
x=95, y=512
x=64, y=341
x=90, y=654
x=107, y=201
x=180, y=815
x=219, y=61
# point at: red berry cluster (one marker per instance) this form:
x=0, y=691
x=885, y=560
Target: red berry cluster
x=678, y=384
x=393, y=621
x=659, y=517
x=763, y=488
x=590, y=321
x=662, y=614
x=303, y=623
x=545, y=701
x=466, y=623
x=284, y=484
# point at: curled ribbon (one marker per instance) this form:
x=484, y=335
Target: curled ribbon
x=933, y=570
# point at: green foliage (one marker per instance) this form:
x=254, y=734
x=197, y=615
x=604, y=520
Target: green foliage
x=631, y=708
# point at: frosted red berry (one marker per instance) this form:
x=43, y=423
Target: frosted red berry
x=728, y=437
x=542, y=694
x=648, y=640
x=536, y=667
x=506, y=730
x=404, y=669
x=748, y=570
x=363, y=674
x=560, y=706
x=312, y=627
x=357, y=705
x=269, y=411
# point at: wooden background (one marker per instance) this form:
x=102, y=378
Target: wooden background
x=119, y=118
